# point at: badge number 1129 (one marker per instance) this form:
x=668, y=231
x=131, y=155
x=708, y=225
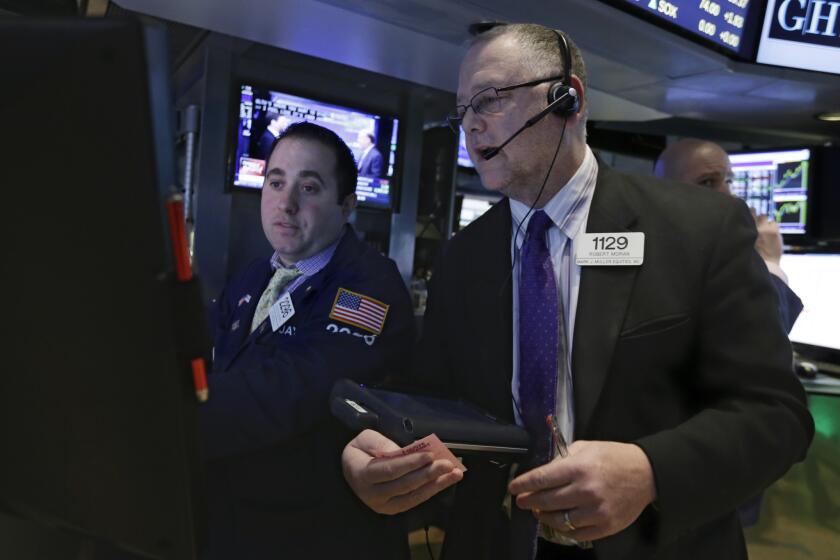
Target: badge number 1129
x=610, y=249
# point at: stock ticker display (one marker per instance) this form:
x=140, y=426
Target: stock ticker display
x=775, y=184
x=730, y=24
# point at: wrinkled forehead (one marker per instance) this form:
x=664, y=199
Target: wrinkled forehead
x=495, y=63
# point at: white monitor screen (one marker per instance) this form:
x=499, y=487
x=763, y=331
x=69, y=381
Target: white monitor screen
x=471, y=208
x=801, y=34
x=816, y=280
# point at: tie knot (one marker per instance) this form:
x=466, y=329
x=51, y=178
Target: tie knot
x=282, y=276
x=539, y=224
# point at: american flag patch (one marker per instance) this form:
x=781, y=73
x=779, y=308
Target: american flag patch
x=243, y=300
x=359, y=310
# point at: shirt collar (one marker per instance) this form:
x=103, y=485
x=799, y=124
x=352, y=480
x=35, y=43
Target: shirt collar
x=566, y=208
x=311, y=265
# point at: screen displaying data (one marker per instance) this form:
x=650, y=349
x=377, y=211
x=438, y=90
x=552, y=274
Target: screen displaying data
x=264, y=114
x=730, y=24
x=775, y=184
x=815, y=278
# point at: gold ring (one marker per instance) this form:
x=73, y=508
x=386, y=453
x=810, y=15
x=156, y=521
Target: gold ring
x=567, y=522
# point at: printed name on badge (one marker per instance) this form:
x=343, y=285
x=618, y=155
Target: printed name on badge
x=626, y=248
x=281, y=311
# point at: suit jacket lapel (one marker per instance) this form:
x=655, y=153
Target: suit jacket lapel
x=602, y=301
x=491, y=258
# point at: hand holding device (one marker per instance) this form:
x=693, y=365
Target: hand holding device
x=598, y=490
x=391, y=485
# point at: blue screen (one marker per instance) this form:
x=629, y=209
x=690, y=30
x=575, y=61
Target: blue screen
x=263, y=113
x=731, y=24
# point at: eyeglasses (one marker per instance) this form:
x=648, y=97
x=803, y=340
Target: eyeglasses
x=488, y=102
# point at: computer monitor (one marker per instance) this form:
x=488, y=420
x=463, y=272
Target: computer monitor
x=463, y=155
x=776, y=184
x=373, y=137
x=815, y=277
x=97, y=416
x=472, y=207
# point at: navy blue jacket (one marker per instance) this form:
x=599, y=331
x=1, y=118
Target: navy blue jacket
x=274, y=482
x=790, y=306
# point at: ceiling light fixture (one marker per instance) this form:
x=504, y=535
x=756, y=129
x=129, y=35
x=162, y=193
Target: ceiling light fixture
x=829, y=116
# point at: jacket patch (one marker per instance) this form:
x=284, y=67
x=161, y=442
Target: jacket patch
x=359, y=310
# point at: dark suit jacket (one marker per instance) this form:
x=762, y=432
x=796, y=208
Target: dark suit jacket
x=683, y=355
x=372, y=164
x=273, y=450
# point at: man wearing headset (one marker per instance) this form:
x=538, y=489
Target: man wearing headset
x=677, y=408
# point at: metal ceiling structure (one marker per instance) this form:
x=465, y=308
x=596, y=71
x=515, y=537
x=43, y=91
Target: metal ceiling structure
x=638, y=72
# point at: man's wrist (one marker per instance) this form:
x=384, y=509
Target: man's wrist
x=776, y=270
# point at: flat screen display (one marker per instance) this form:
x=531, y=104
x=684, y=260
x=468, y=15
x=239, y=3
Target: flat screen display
x=775, y=184
x=729, y=24
x=463, y=156
x=815, y=278
x=801, y=34
x=471, y=208
x=264, y=113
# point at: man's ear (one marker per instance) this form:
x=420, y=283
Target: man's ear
x=348, y=205
x=581, y=94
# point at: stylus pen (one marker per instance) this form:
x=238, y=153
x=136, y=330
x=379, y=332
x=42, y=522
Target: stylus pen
x=557, y=436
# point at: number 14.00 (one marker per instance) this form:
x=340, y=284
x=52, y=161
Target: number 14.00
x=610, y=243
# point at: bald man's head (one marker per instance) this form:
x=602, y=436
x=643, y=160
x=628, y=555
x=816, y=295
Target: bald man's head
x=696, y=161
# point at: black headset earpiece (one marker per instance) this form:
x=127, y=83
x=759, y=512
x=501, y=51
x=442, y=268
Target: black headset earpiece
x=562, y=93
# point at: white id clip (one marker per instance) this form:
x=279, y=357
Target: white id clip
x=281, y=311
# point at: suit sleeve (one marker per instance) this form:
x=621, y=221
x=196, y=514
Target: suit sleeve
x=790, y=306
x=752, y=423
x=377, y=164
x=283, y=391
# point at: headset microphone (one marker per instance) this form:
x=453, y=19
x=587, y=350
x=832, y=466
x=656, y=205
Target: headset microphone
x=533, y=120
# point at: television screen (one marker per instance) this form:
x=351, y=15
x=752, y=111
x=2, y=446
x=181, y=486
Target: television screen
x=815, y=278
x=729, y=25
x=463, y=156
x=775, y=184
x=264, y=113
x=471, y=208
x=802, y=35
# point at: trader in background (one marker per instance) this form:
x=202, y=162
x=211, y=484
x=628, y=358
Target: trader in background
x=322, y=307
x=706, y=164
x=670, y=374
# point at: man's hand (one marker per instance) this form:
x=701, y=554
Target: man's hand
x=603, y=486
x=769, y=240
x=397, y=484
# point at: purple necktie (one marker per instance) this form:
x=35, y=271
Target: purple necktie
x=538, y=322
x=538, y=335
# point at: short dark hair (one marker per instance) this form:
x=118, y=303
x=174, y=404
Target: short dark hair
x=538, y=40
x=345, y=166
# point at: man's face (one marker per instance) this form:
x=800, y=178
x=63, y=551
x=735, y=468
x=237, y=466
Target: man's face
x=300, y=212
x=708, y=166
x=524, y=162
